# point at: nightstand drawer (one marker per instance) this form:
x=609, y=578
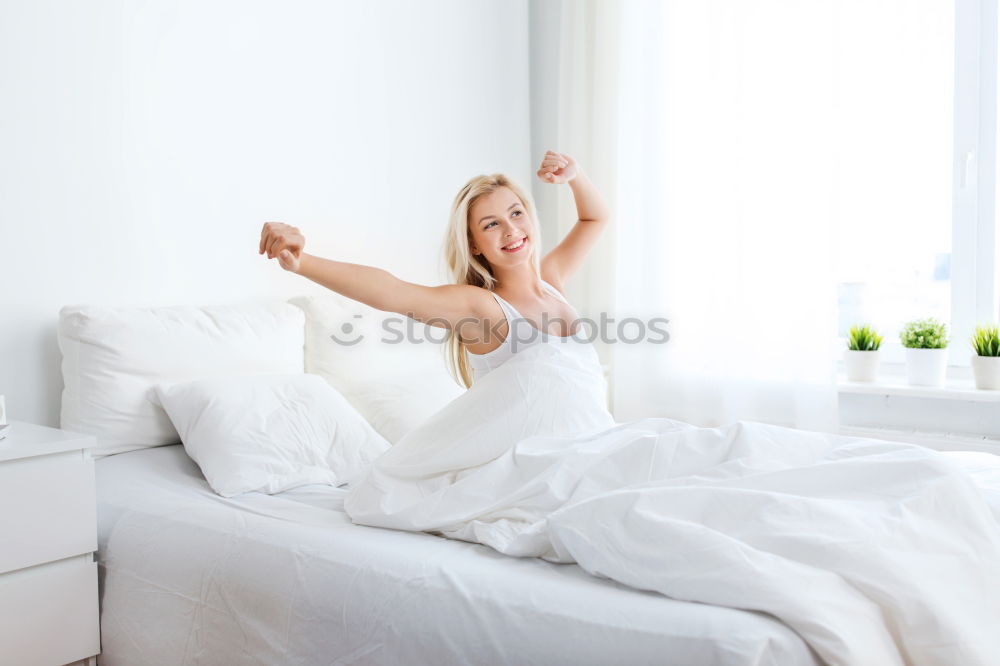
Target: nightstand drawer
x=49, y=614
x=49, y=509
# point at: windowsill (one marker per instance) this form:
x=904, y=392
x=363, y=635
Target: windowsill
x=938, y=440
x=953, y=389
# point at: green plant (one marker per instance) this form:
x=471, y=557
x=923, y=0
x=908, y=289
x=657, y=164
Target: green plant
x=928, y=333
x=863, y=338
x=986, y=341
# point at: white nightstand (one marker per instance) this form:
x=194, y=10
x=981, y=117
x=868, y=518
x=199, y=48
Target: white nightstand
x=48, y=535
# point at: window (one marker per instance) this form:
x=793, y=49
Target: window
x=893, y=180
x=917, y=177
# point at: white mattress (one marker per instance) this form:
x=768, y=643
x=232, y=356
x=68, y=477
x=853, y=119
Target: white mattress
x=188, y=577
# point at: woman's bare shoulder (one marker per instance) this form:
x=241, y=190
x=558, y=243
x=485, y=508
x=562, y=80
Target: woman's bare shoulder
x=485, y=313
x=479, y=298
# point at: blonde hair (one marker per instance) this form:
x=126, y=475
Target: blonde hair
x=467, y=268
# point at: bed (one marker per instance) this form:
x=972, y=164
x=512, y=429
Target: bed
x=189, y=574
x=189, y=577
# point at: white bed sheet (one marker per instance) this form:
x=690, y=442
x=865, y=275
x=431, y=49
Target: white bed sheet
x=188, y=577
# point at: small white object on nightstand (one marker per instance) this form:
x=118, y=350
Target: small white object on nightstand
x=48, y=536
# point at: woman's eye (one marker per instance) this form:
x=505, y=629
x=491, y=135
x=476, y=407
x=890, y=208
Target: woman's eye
x=490, y=224
x=517, y=212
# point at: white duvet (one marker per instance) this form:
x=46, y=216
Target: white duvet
x=874, y=552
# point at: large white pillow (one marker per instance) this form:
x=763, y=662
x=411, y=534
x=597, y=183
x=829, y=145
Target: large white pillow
x=270, y=433
x=112, y=357
x=391, y=368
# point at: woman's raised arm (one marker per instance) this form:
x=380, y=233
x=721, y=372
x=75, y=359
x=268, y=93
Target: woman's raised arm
x=592, y=211
x=445, y=306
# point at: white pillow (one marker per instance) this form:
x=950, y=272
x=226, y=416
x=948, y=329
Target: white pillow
x=270, y=433
x=376, y=360
x=112, y=357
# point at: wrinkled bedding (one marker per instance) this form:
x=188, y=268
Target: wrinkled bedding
x=874, y=552
x=189, y=577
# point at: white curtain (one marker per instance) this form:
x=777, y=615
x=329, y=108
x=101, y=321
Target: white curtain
x=579, y=106
x=706, y=126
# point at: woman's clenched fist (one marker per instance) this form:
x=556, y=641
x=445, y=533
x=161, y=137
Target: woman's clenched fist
x=557, y=168
x=284, y=242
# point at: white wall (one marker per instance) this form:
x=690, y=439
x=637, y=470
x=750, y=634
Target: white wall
x=143, y=145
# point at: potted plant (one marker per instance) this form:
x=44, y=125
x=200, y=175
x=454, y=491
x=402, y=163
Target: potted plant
x=861, y=357
x=926, y=342
x=986, y=362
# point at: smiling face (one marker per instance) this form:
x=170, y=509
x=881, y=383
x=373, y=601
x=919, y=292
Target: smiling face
x=500, y=228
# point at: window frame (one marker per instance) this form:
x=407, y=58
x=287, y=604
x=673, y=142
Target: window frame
x=974, y=275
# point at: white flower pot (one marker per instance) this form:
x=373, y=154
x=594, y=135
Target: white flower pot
x=926, y=367
x=861, y=366
x=987, y=371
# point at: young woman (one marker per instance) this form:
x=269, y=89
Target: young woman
x=505, y=295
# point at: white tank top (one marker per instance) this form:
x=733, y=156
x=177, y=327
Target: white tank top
x=521, y=335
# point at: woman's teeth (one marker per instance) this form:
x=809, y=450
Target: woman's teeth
x=514, y=247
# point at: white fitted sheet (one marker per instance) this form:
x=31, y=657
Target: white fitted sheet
x=189, y=577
